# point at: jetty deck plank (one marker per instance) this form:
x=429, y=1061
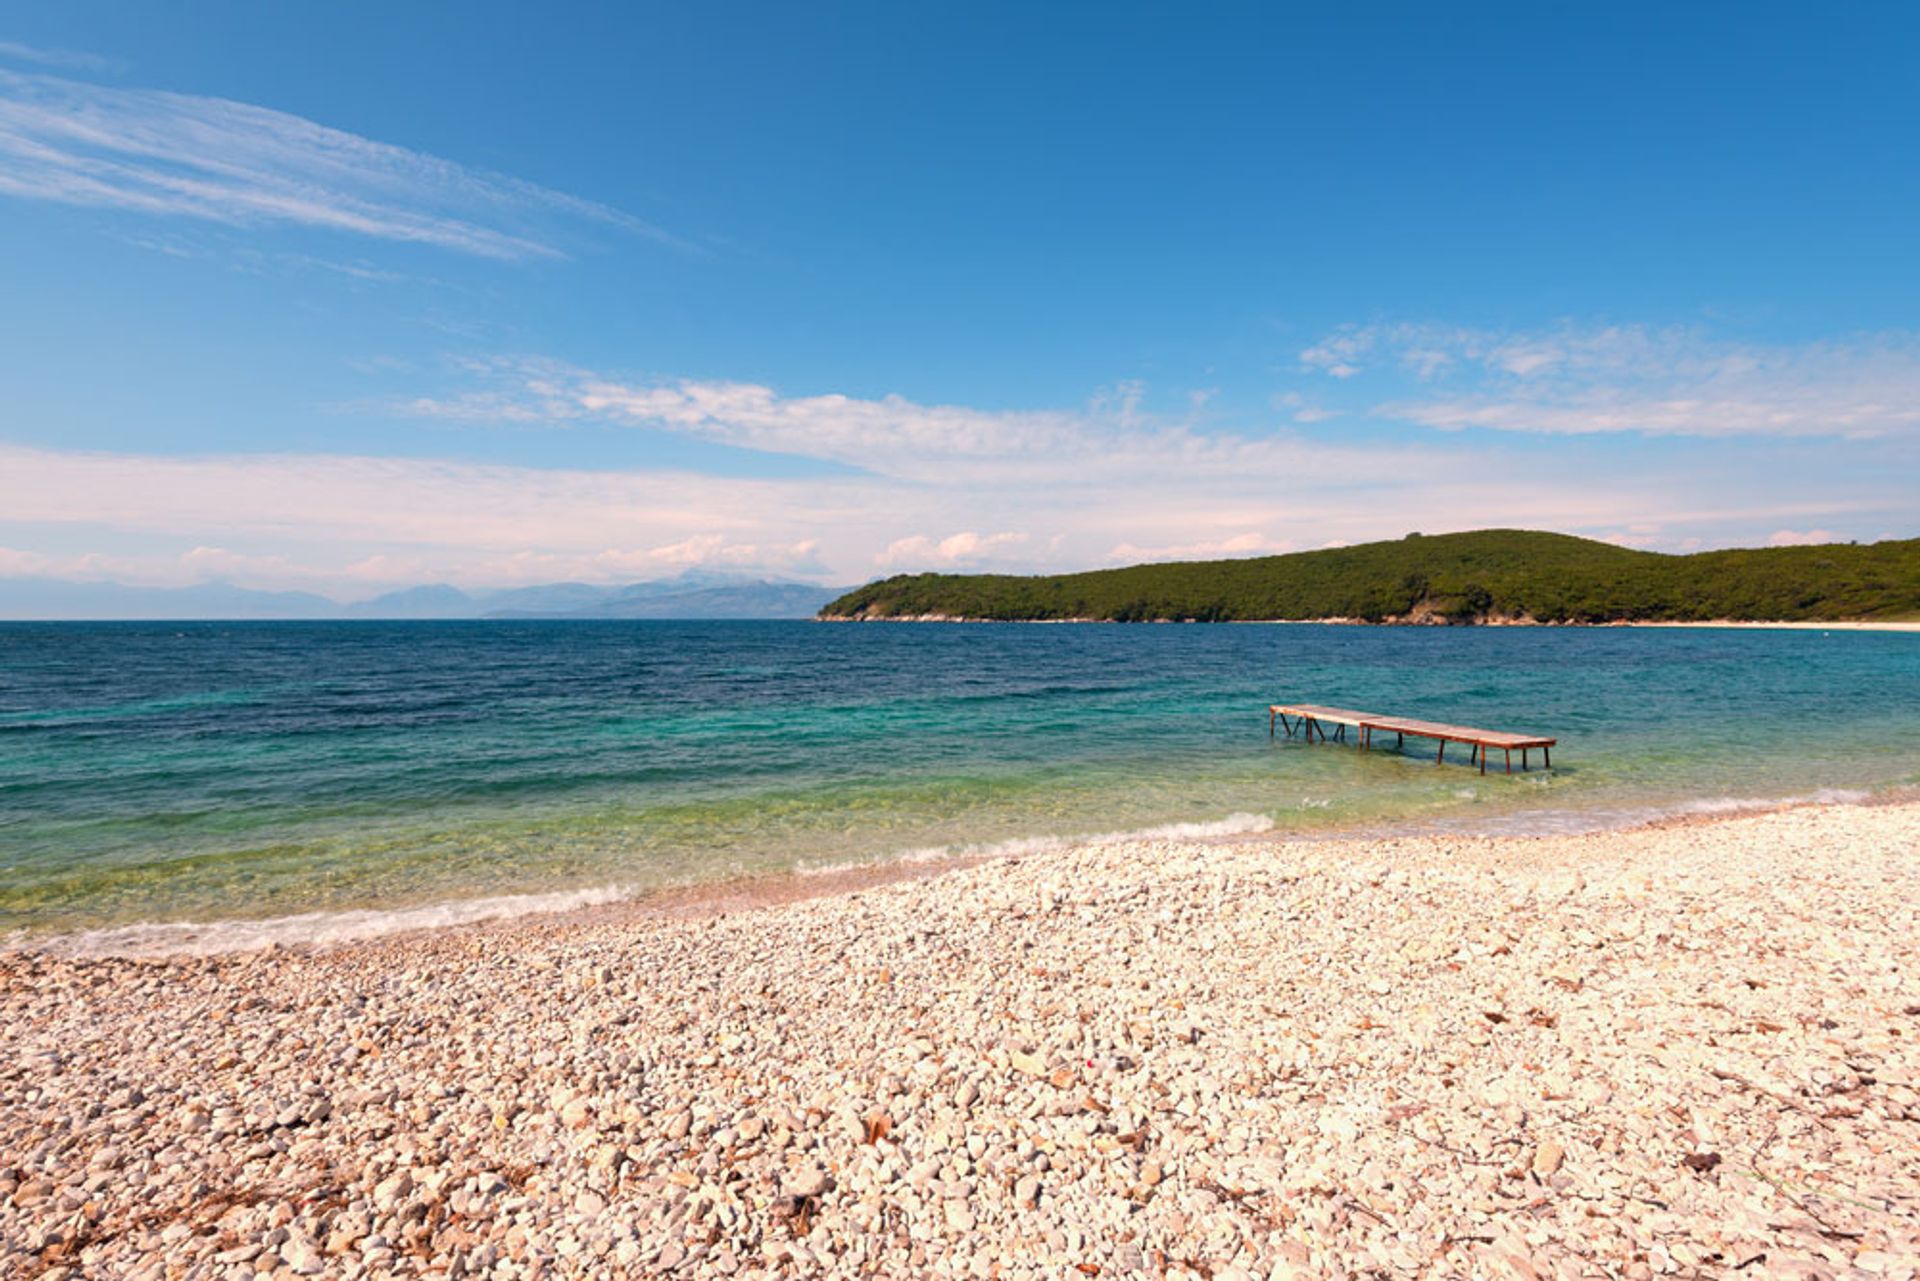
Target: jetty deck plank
x=1458, y=733
x=1331, y=715
x=1482, y=741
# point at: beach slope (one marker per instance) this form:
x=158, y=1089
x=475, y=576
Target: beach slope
x=1686, y=1050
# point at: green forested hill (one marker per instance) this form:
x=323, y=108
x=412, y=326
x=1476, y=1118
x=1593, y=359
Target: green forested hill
x=1490, y=574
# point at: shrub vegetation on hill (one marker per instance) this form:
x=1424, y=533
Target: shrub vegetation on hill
x=1486, y=575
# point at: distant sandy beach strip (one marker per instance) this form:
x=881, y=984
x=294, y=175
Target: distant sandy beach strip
x=1795, y=627
x=1855, y=626
x=1719, y=623
x=1690, y=1049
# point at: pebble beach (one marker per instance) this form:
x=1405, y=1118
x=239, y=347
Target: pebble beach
x=1682, y=1050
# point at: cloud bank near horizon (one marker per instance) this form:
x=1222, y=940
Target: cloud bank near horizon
x=946, y=487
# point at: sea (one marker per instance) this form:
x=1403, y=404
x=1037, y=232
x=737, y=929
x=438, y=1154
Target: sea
x=206, y=786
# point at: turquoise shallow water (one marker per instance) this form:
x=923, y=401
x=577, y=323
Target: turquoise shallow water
x=183, y=772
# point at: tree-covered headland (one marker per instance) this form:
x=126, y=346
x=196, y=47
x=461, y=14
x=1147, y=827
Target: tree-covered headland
x=1489, y=575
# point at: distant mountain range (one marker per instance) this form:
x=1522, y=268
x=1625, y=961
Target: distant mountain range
x=694, y=594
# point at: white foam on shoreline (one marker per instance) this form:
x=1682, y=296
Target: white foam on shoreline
x=1737, y=805
x=322, y=929
x=1579, y=822
x=208, y=938
x=1237, y=824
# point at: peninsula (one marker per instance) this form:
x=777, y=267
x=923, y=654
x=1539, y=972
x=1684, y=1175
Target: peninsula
x=1485, y=576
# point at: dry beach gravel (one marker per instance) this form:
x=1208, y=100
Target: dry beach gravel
x=1690, y=1050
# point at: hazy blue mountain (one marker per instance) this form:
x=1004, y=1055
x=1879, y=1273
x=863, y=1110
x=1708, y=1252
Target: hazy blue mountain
x=695, y=594
x=28, y=598
x=686, y=581
x=752, y=599
x=437, y=600
x=548, y=598
x=763, y=599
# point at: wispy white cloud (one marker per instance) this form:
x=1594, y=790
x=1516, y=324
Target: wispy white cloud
x=1801, y=537
x=1300, y=409
x=962, y=550
x=254, y=262
x=1589, y=380
x=229, y=162
x=1340, y=352
x=1251, y=543
x=1108, y=441
x=17, y=562
x=64, y=59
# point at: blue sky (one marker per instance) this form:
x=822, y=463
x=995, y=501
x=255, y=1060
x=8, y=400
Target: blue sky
x=351, y=297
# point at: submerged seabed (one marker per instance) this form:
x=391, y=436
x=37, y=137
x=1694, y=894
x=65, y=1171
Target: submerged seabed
x=301, y=781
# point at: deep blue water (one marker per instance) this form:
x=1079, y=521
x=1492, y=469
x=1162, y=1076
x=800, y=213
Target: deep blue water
x=216, y=770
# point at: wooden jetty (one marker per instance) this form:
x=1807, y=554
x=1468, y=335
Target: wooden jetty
x=1312, y=719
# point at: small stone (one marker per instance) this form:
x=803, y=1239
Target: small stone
x=391, y=1191
x=302, y=1256
x=32, y=1190
x=1547, y=1158
x=809, y=1181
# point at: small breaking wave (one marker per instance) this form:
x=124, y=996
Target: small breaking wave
x=327, y=929
x=1237, y=824
x=1581, y=821
x=312, y=929
x=1741, y=804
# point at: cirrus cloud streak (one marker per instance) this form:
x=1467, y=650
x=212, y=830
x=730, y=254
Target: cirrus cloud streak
x=212, y=159
x=1590, y=380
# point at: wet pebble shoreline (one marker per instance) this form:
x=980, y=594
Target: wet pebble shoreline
x=1687, y=1051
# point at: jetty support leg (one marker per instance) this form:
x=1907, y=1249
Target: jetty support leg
x=1483, y=762
x=1547, y=752
x=1442, y=754
x=1509, y=760
x=1523, y=758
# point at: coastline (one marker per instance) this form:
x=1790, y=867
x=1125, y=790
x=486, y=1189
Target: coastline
x=563, y=907
x=1854, y=626
x=1848, y=625
x=1679, y=1047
